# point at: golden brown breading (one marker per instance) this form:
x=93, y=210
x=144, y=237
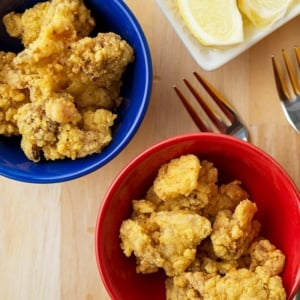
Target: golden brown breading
x=101, y=59
x=79, y=141
x=179, y=177
x=234, y=285
x=93, y=96
x=10, y=98
x=56, y=129
x=10, y=101
x=264, y=254
x=26, y=26
x=200, y=179
x=234, y=232
x=86, y=68
x=60, y=91
x=57, y=19
x=36, y=129
x=166, y=240
x=226, y=262
x=228, y=197
x=209, y=265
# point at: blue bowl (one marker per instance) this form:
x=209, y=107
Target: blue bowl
x=115, y=16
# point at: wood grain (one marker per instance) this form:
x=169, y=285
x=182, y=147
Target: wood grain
x=47, y=231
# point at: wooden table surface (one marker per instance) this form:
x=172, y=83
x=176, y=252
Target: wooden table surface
x=47, y=231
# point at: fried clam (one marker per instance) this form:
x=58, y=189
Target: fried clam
x=60, y=93
x=204, y=235
x=55, y=129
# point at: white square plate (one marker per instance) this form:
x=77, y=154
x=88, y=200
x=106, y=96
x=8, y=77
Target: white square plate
x=210, y=58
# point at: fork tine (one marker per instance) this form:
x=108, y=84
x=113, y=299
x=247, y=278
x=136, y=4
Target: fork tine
x=208, y=110
x=290, y=102
x=199, y=123
x=280, y=83
x=291, y=72
x=235, y=128
x=222, y=103
x=297, y=52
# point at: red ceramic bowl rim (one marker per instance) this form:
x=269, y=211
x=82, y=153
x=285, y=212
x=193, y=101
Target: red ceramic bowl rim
x=162, y=144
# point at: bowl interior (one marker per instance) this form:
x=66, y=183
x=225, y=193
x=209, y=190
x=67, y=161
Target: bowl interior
x=112, y=16
x=276, y=196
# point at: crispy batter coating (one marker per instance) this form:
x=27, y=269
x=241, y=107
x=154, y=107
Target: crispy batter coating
x=58, y=130
x=26, y=26
x=165, y=240
x=10, y=98
x=101, y=59
x=204, y=236
x=177, y=178
x=228, y=197
x=60, y=92
x=234, y=285
x=200, y=180
x=264, y=254
x=59, y=17
x=233, y=232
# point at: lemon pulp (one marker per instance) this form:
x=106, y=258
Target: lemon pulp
x=263, y=12
x=213, y=22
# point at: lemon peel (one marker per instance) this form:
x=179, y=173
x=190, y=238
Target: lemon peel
x=263, y=13
x=213, y=22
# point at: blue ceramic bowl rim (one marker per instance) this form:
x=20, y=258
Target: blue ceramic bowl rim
x=90, y=164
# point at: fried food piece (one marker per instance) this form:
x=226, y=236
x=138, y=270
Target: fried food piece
x=62, y=55
x=202, y=185
x=26, y=26
x=228, y=197
x=234, y=285
x=179, y=288
x=101, y=59
x=89, y=69
x=179, y=177
x=214, y=279
x=10, y=98
x=94, y=67
x=264, y=254
x=207, y=187
x=60, y=92
x=75, y=142
x=93, y=96
x=56, y=129
x=233, y=232
x=54, y=18
x=36, y=129
x=212, y=266
x=10, y=101
x=6, y=59
x=228, y=261
x=61, y=109
x=166, y=240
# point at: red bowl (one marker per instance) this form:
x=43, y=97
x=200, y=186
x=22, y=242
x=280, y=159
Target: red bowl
x=276, y=196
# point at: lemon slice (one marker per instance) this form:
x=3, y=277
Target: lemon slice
x=213, y=22
x=263, y=12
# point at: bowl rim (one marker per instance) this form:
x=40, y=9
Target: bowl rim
x=24, y=175
x=148, y=152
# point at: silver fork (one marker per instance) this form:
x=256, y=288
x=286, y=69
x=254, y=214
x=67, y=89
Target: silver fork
x=226, y=121
x=289, y=98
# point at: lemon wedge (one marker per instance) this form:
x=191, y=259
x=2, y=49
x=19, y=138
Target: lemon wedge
x=263, y=12
x=213, y=22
